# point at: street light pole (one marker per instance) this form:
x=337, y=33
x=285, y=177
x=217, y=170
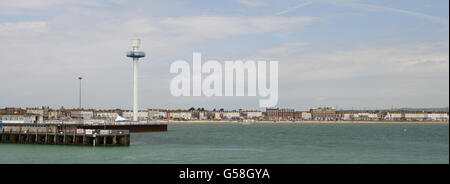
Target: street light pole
x=80, y=78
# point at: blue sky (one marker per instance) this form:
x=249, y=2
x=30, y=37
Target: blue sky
x=349, y=53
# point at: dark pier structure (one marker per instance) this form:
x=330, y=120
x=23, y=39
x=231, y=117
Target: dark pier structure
x=54, y=134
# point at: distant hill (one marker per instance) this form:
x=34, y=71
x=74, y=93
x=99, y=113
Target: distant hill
x=434, y=109
x=441, y=109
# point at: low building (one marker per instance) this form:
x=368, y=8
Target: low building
x=415, y=116
x=180, y=115
x=152, y=114
x=107, y=114
x=142, y=115
x=230, y=115
x=359, y=116
x=394, y=116
x=163, y=114
x=199, y=114
x=437, y=116
x=252, y=114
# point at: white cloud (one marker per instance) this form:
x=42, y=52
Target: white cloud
x=9, y=28
x=289, y=48
x=31, y=4
x=41, y=59
x=413, y=60
x=206, y=27
x=370, y=7
x=301, y=5
x=415, y=74
x=47, y=56
x=251, y=3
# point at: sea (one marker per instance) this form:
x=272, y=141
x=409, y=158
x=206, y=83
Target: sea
x=255, y=144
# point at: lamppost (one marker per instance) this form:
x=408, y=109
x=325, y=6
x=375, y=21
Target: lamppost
x=80, y=78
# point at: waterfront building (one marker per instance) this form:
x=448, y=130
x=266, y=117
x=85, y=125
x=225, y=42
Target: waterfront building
x=251, y=114
x=415, y=116
x=199, y=114
x=368, y=116
x=18, y=118
x=218, y=115
x=358, y=116
x=286, y=114
x=153, y=113
x=223, y=115
x=394, y=116
x=346, y=116
x=58, y=114
x=272, y=114
x=437, y=116
x=55, y=114
x=230, y=115
x=323, y=113
x=107, y=114
x=12, y=111
x=142, y=115
x=210, y=115
x=163, y=114
x=280, y=114
x=186, y=115
x=340, y=115
x=35, y=111
x=39, y=112
x=297, y=115
x=306, y=116
x=180, y=115
x=81, y=114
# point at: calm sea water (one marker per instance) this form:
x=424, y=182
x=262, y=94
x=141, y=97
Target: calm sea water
x=262, y=143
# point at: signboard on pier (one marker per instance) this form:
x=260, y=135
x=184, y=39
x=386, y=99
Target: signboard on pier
x=80, y=131
x=104, y=132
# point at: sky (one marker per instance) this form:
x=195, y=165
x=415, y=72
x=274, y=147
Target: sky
x=349, y=54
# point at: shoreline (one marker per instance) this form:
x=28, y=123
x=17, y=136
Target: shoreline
x=305, y=122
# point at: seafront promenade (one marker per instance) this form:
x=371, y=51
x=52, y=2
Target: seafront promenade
x=300, y=122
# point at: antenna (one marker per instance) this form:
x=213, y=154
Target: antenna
x=135, y=54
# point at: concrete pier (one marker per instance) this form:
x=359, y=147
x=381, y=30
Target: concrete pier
x=87, y=137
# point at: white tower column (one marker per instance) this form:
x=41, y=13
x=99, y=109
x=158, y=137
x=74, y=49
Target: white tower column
x=135, y=89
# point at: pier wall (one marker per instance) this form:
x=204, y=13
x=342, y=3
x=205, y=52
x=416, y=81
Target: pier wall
x=47, y=135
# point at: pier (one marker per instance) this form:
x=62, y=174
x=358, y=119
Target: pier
x=85, y=137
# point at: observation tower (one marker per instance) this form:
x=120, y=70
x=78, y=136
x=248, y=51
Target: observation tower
x=135, y=54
